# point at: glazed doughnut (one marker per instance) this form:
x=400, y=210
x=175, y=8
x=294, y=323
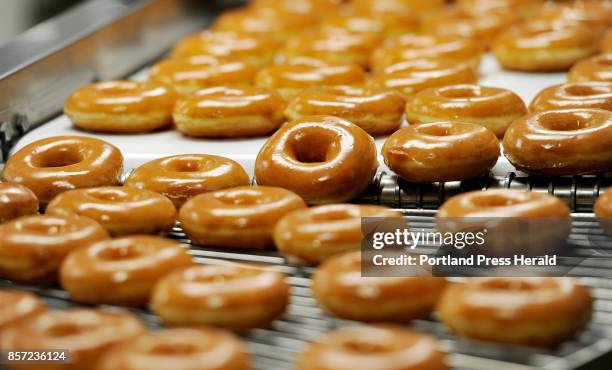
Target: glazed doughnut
x=508, y=210
x=492, y=107
x=269, y=22
x=561, y=142
x=188, y=75
x=526, y=311
x=33, y=247
x=120, y=271
x=241, y=217
x=297, y=8
x=380, y=347
x=543, y=46
x=423, y=9
x=525, y=8
x=380, y=24
x=323, y=159
x=597, y=68
x=603, y=210
x=229, y=112
x=411, y=76
x=416, y=46
x=255, y=50
x=188, y=348
x=441, y=151
x=333, y=46
x=120, y=210
x=180, y=177
x=121, y=106
x=588, y=94
x=232, y=296
x=56, y=164
x=16, y=306
x=339, y=287
x=483, y=27
x=292, y=78
x=16, y=201
x=377, y=111
x=594, y=14
x=313, y=235
x=85, y=333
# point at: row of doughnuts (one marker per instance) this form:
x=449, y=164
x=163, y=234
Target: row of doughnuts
x=103, y=340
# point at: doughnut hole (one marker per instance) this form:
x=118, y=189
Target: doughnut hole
x=184, y=164
x=117, y=88
x=566, y=121
x=243, y=197
x=366, y=347
x=122, y=252
x=109, y=195
x=582, y=89
x=605, y=60
x=493, y=201
x=46, y=226
x=510, y=285
x=460, y=92
x=334, y=215
x=66, y=329
x=57, y=156
x=313, y=146
x=175, y=349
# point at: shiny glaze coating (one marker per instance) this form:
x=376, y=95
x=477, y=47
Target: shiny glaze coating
x=544, y=46
x=483, y=27
x=312, y=235
x=603, y=210
x=121, y=271
x=241, y=217
x=333, y=46
x=528, y=311
x=229, y=112
x=422, y=9
x=595, y=14
x=180, y=177
x=597, y=68
x=292, y=78
x=255, y=50
x=17, y=305
x=497, y=203
x=587, y=94
x=231, y=296
x=380, y=347
x=16, y=201
x=33, y=247
x=377, y=111
x=186, y=348
x=561, y=142
x=120, y=210
x=492, y=107
x=525, y=8
x=270, y=22
x=419, y=46
x=411, y=76
x=121, y=106
x=323, y=159
x=56, y=164
x=86, y=333
x=339, y=287
x=383, y=24
x=188, y=75
x=441, y=151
